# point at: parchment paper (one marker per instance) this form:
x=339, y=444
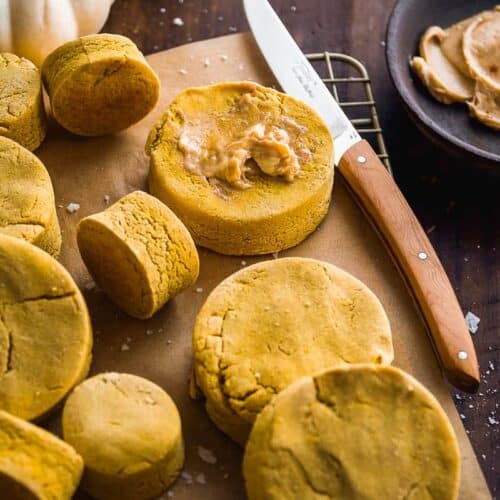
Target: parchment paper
x=86, y=170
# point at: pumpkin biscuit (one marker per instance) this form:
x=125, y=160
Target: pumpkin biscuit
x=139, y=253
x=362, y=432
x=276, y=321
x=22, y=115
x=27, y=204
x=248, y=169
x=99, y=84
x=45, y=331
x=128, y=431
x=34, y=464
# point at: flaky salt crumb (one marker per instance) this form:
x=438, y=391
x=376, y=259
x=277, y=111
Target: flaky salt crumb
x=243, y=263
x=187, y=477
x=106, y=198
x=207, y=455
x=183, y=72
x=149, y=332
x=232, y=29
x=199, y=290
x=177, y=21
x=200, y=478
x=293, y=8
x=72, y=208
x=206, y=62
x=472, y=322
x=125, y=347
x=492, y=420
x=163, y=10
x=90, y=285
x=223, y=57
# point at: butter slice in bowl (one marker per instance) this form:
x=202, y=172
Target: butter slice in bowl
x=248, y=169
x=462, y=64
x=362, y=432
x=99, y=84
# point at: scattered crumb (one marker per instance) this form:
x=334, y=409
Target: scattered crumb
x=220, y=18
x=226, y=475
x=232, y=29
x=462, y=416
x=206, y=62
x=207, y=455
x=170, y=494
x=72, y=208
x=163, y=10
x=125, y=347
x=177, y=21
x=382, y=43
x=431, y=229
x=492, y=420
x=169, y=342
x=276, y=255
x=149, y=400
x=483, y=456
x=199, y=290
x=224, y=58
x=472, y=322
x=183, y=71
x=187, y=477
x=293, y=8
x=200, y=478
x=241, y=67
x=90, y=285
x=243, y=263
x=150, y=332
x=491, y=365
x=257, y=375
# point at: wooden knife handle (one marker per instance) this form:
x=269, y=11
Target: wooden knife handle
x=381, y=198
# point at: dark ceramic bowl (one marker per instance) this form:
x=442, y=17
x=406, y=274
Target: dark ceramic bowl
x=450, y=127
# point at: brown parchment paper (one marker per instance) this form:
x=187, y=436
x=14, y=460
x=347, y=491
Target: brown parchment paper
x=86, y=170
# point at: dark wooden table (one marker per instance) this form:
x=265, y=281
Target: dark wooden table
x=459, y=208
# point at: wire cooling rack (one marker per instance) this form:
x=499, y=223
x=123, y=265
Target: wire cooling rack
x=349, y=82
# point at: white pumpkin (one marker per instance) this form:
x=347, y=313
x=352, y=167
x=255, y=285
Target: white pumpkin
x=33, y=28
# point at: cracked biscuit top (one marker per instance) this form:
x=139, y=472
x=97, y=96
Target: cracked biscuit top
x=99, y=84
x=361, y=432
x=273, y=322
x=45, y=331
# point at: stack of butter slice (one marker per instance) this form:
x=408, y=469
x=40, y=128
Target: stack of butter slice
x=461, y=64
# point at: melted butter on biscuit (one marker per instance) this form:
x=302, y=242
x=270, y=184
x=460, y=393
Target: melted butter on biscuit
x=270, y=145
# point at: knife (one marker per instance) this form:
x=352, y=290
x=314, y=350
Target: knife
x=379, y=197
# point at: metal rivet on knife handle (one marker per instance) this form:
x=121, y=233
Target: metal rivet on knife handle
x=462, y=355
x=422, y=256
x=362, y=160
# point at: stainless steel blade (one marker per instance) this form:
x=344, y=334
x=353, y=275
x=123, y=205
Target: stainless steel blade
x=295, y=73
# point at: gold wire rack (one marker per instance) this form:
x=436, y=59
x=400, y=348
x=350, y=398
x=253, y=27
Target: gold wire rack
x=341, y=74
